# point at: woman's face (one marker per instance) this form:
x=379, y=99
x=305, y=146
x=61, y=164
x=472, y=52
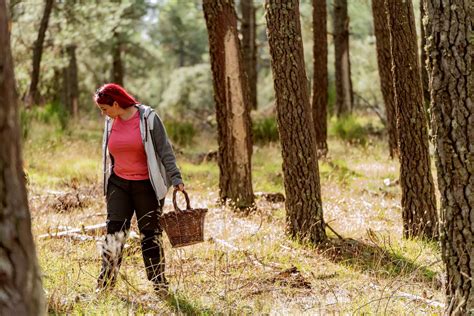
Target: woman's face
x=111, y=111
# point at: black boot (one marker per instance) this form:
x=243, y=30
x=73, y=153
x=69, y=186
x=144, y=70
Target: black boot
x=155, y=270
x=154, y=259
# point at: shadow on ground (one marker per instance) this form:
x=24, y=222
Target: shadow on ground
x=183, y=306
x=373, y=258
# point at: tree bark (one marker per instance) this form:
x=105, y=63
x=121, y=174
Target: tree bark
x=117, y=64
x=304, y=212
x=423, y=56
x=20, y=283
x=33, y=93
x=418, y=198
x=452, y=84
x=382, y=37
x=344, y=94
x=320, y=75
x=232, y=103
x=249, y=47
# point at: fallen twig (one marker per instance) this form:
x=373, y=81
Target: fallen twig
x=250, y=256
x=335, y=233
x=75, y=231
x=414, y=297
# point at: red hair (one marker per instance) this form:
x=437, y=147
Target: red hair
x=111, y=92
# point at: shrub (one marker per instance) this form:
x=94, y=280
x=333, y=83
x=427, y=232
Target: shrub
x=55, y=111
x=181, y=133
x=265, y=130
x=348, y=129
x=53, y=114
x=26, y=117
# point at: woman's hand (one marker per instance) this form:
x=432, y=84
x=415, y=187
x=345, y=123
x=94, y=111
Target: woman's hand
x=180, y=187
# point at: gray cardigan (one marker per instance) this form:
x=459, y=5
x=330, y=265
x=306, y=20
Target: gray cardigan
x=161, y=159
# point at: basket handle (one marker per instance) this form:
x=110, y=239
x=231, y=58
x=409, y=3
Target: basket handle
x=188, y=204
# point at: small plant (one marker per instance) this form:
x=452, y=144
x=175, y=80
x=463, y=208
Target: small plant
x=182, y=133
x=349, y=129
x=265, y=130
x=25, y=122
x=53, y=114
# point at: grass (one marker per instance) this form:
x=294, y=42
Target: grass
x=247, y=265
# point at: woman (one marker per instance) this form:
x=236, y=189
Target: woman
x=139, y=167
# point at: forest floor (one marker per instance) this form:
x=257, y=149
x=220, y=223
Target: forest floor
x=247, y=265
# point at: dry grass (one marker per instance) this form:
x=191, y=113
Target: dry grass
x=247, y=265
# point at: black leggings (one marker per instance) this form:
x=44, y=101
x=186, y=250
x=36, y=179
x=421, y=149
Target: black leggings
x=124, y=198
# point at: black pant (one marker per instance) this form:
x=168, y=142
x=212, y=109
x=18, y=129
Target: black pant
x=124, y=197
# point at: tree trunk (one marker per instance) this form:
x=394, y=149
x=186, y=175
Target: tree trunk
x=452, y=84
x=33, y=93
x=382, y=36
x=117, y=65
x=320, y=75
x=181, y=54
x=73, y=79
x=418, y=198
x=249, y=46
x=344, y=94
x=71, y=85
x=423, y=56
x=21, y=292
x=232, y=103
x=70, y=90
x=298, y=140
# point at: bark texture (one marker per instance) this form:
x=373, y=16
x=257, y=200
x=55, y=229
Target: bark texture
x=249, y=47
x=452, y=84
x=418, y=197
x=320, y=75
x=384, y=61
x=20, y=283
x=33, y=93
x=423, y=56
x=232, y=103
x=304, y=210
x=344, y=94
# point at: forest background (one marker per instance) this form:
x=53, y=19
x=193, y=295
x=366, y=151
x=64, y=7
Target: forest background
x=159, y=51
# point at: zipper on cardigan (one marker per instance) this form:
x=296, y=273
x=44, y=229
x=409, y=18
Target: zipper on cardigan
x=146, y=129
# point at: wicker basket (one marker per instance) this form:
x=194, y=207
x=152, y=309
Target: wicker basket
x=184, y=227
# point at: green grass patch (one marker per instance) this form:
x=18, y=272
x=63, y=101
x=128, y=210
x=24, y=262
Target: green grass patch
x=204, y=175
x=267, y=174
x=337, y=170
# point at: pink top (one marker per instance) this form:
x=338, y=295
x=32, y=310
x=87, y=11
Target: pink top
x=126, y=146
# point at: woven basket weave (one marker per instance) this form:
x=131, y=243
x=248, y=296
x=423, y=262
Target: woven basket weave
x=184, y=227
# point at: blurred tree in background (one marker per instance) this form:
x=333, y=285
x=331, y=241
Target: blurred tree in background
x=189, y=95
x=180, y=31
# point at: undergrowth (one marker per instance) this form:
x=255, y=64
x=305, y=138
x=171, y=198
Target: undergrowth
x=247, y=264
